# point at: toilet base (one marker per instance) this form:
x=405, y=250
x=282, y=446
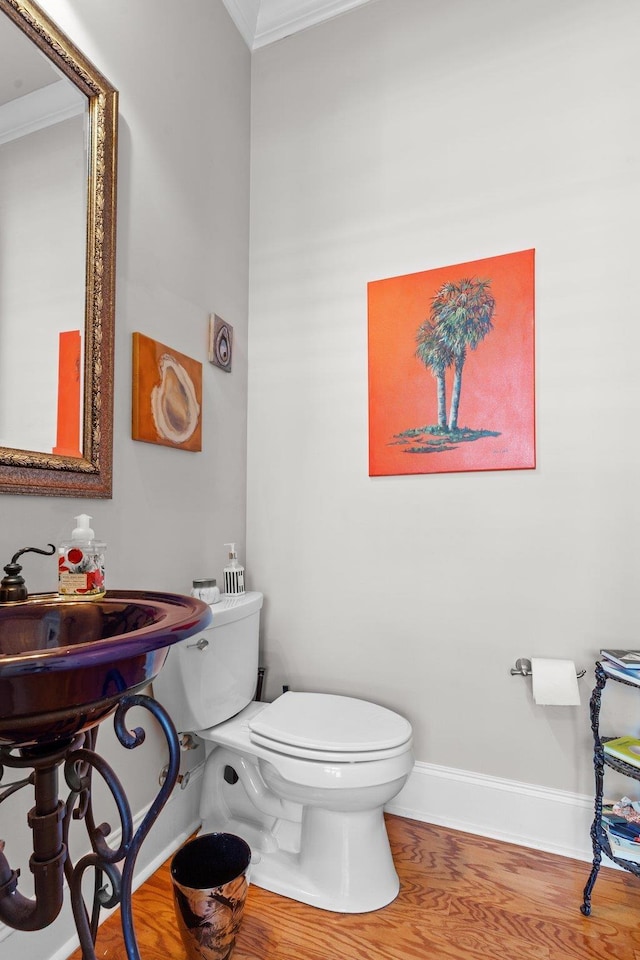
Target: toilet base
x=344, y=863
x=313, y=842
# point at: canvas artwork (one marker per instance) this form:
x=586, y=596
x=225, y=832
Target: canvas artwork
x=167, y=395
x=451, y=368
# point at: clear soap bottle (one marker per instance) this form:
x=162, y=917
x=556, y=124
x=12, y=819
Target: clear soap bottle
x=81, y=563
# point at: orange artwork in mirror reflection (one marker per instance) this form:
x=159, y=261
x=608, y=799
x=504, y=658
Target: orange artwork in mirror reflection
x=68, y=430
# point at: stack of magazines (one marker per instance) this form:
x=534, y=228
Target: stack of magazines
x=621, y=822
x=622, y=664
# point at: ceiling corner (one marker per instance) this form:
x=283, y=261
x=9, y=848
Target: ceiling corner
x=244, y=14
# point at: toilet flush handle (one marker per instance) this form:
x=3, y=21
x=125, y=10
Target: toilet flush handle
x=202, y=644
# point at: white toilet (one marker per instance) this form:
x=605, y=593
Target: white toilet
x=303, y=779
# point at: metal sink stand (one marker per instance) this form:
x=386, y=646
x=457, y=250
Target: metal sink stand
x=50, y=820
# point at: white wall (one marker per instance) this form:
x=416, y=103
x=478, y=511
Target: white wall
x=183, y=73
x=407, y=135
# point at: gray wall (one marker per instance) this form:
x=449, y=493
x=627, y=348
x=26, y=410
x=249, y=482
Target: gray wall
x=407, y=135
x=183, y=73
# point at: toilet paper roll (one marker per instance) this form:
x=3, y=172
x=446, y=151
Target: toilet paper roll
x=555, y=682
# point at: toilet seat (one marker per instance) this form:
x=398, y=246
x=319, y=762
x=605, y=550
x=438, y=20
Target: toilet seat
x=330, y=728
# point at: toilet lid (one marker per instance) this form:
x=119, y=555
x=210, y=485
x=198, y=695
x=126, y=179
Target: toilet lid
x=325, y=722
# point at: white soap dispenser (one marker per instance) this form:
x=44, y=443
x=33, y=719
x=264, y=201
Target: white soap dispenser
x=233, y=573
x=81, y=563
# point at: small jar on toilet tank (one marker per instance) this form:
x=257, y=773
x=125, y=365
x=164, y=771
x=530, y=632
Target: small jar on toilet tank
x=206, y=590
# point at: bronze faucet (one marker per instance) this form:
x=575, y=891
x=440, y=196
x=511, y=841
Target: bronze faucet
x=13, y=587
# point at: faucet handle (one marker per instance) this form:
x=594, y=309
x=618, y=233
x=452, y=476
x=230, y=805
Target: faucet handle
x=13, y=587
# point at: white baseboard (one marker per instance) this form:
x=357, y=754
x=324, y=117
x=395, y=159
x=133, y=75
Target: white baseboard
x=538, y=817
x=178, y=820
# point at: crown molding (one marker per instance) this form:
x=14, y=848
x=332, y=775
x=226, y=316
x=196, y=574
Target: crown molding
x=278, y=19
x=42, y=108
x=261, y=22
x=244, y=14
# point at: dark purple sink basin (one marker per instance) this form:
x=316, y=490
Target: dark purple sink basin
x=64, y=665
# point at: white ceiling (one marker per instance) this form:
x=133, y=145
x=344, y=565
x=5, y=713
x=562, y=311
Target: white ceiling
x=264, y=21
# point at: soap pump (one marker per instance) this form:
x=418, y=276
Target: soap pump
x=81, y=563
x=233, y=573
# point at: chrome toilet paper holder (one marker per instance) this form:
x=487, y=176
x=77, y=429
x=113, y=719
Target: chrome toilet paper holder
x=523, y=669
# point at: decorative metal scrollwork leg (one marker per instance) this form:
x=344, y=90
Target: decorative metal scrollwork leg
x=50, y=821
x=598, y=765
x=79, y=768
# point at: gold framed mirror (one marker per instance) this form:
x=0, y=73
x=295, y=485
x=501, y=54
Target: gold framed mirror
x=82, y=468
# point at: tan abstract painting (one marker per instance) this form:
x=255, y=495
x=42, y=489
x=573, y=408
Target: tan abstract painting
x=167, y=396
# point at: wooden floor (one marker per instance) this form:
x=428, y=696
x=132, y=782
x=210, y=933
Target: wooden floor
x=461, y=896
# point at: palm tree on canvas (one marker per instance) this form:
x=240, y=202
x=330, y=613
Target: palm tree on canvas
x=460, y=318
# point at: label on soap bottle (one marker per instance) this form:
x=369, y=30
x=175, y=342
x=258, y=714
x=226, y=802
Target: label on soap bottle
x=81, y=571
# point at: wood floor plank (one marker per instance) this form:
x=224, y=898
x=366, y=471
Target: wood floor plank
x=462, y=898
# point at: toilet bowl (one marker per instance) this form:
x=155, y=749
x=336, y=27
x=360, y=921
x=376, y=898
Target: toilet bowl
x=303, y=780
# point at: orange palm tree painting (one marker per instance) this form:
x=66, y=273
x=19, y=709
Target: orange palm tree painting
x=451, y=368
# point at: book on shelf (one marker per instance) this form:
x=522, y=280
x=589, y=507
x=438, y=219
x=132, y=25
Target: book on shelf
x=624, y=658
x=624, y=748
x=629, y=831
x=625, y=848
x=610, y=820
x=621, y=823
x=621, y=673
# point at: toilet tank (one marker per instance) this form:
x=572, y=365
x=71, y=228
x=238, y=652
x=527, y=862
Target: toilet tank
x=212, y=675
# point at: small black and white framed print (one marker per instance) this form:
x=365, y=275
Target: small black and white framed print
x=220, y=342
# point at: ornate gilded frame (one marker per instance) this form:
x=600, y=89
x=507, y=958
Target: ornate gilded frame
x=29, y=472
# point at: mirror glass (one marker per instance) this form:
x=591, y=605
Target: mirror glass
x=43, y=213
x=58, y=118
